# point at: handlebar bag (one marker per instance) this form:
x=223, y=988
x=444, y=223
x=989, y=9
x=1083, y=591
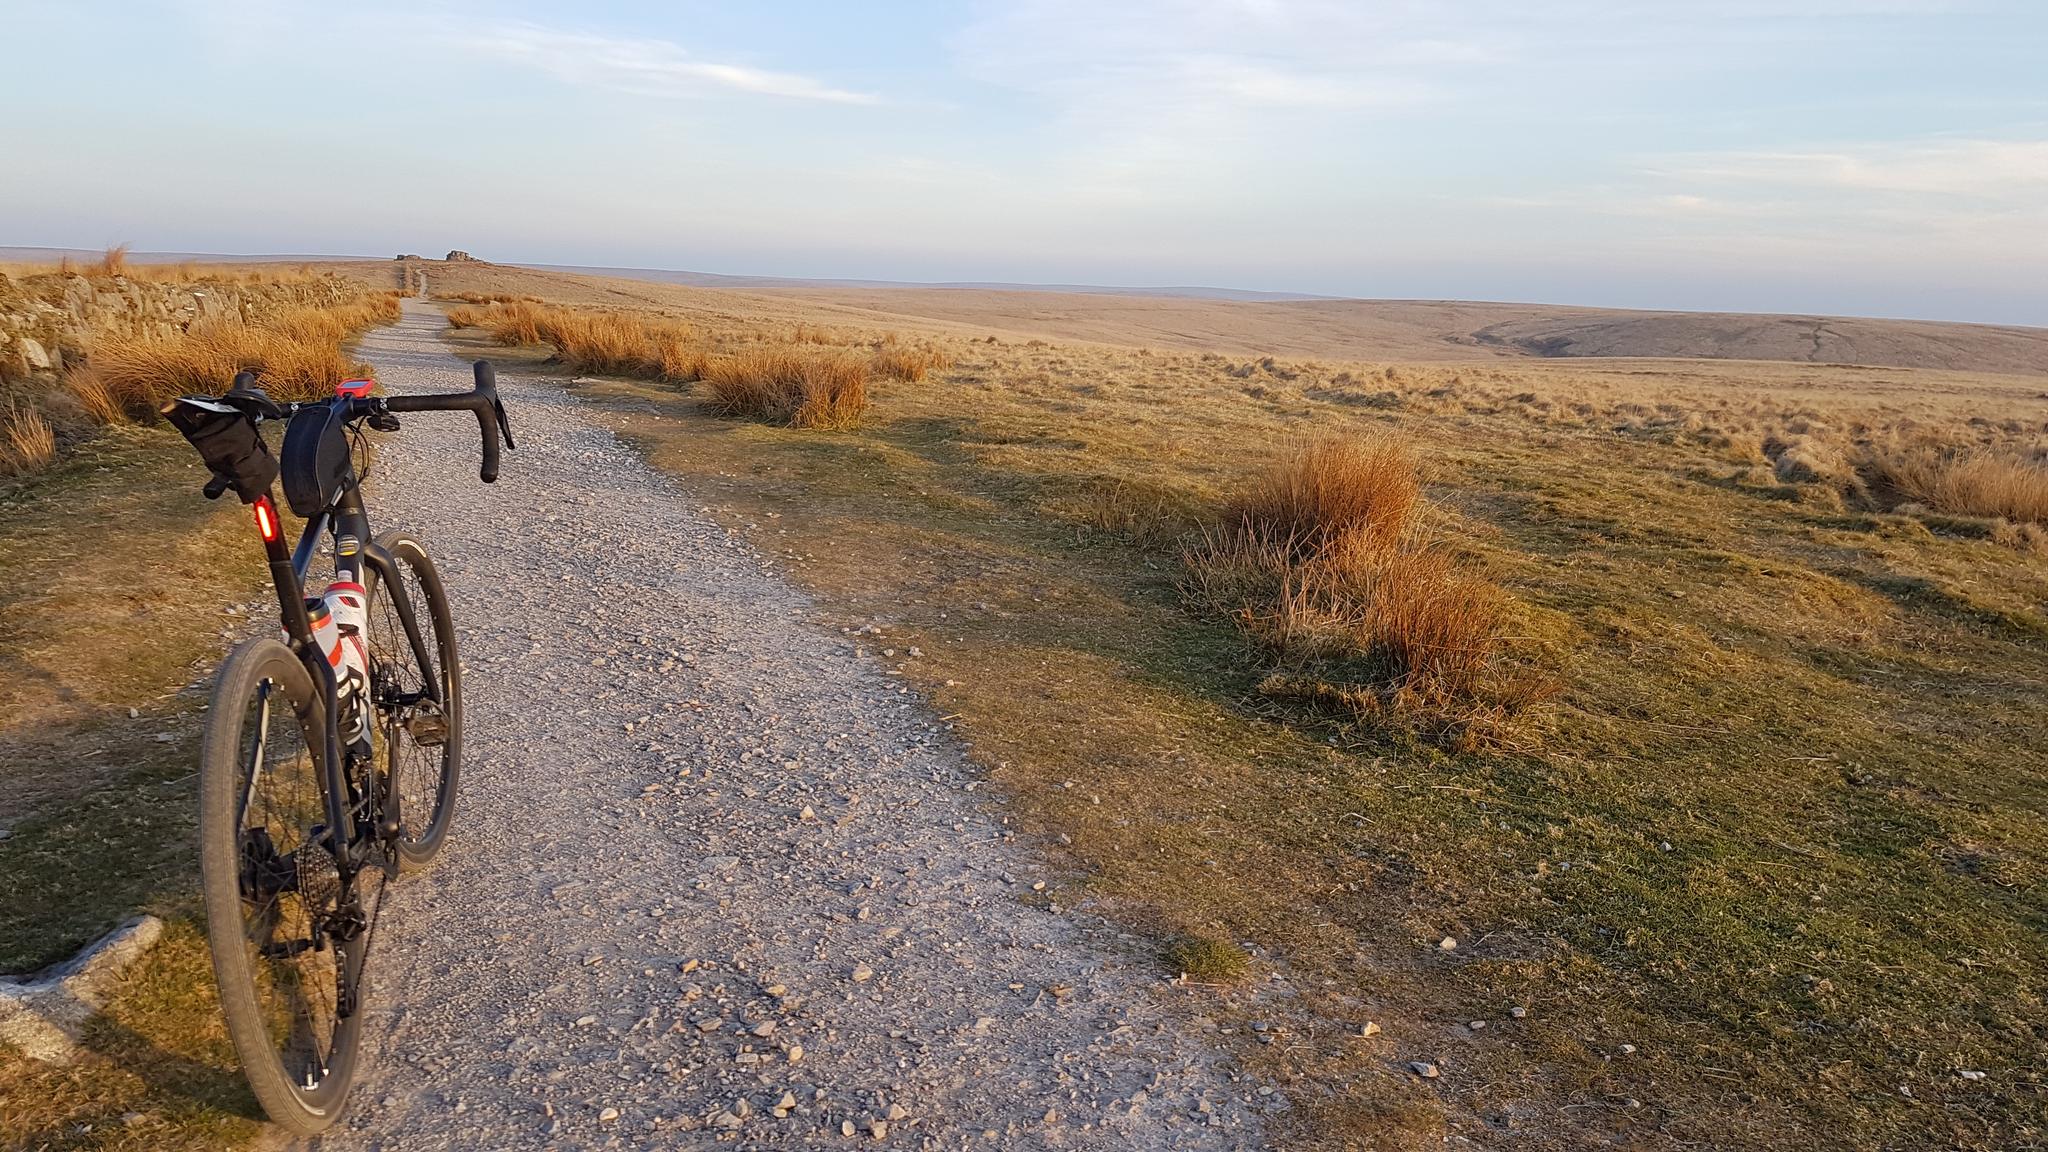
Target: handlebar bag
x=228, y=441
x=317, y=465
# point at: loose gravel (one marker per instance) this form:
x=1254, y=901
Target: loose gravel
x=714, y=877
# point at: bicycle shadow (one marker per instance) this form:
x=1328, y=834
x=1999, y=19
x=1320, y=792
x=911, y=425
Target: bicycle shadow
x=177, y=1080
x=154, y=1065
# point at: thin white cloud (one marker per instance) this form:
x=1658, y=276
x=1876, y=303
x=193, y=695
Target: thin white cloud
x=644, y=66
x=1312, y=54
x=1199, y=100
x=1999, y=170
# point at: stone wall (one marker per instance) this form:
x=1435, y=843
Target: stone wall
x=47, y=321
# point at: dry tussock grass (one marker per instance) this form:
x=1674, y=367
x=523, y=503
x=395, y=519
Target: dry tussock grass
x=603, y=343
x=617, y=344
x=297, y=355
x=144, y=373
x=1962, y=481
x=1324, y=565
x=799, y=389
x=682, y=362
x=819, y=334
x=517, y=324
x=94, y=398
x=1330, y=495
x=488, y=297
x=115, y=264
x=760, y=373
x=27, y=442
x=903, y=362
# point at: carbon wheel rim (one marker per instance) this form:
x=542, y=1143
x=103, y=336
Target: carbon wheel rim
x=290, y=893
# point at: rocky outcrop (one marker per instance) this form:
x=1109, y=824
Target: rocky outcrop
x=460, y=257
x=47, y=321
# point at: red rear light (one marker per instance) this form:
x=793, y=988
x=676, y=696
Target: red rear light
x=266, y=519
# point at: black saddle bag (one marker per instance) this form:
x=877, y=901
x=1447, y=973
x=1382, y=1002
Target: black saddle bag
x=229, y=443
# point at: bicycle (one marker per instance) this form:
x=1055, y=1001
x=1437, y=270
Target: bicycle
x=322, y=769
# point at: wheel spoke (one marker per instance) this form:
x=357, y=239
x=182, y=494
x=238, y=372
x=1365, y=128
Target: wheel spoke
x=290, y=889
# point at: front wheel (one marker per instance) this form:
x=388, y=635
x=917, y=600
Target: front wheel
x=287, y=941
x=421, y=735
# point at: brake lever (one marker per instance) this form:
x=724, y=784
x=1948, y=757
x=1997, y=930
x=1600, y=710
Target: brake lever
x=504, y=425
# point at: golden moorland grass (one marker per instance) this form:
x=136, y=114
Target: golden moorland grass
x=800, y=389
x=906, y=362
x=600, y=343
x=297, y=356
x=1963, y=482
x=1332, y=493
x=480, y=298
x=1323, y=564
x=1785, y=787
x=115, y=262
x=124, y=375
x=463, y=316
x=747, y=371
x=27, y=443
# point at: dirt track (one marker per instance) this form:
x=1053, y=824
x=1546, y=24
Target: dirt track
x=711, y=864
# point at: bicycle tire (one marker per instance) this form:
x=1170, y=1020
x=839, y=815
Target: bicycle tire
x=260, y=769
x=418, y=767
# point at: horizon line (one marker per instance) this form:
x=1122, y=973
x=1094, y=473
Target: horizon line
x=35, y=254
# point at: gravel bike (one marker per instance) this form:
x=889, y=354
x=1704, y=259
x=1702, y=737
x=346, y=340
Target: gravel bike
x=331, y=752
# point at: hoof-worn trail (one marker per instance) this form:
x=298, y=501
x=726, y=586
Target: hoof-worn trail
x=713, y=877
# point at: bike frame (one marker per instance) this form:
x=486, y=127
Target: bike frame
x=347, y=521
x=348, y=525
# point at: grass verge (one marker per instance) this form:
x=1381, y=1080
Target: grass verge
x=1772, y=874
x=118, y=584
x=113, y=578
x=160, y=1071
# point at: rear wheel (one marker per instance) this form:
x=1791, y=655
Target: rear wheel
x=421, y=738
x=287, y=951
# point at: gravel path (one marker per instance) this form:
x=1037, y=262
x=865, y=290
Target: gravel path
x=714, y=877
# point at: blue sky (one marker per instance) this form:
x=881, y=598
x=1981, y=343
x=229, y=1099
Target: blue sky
x=1883, y=157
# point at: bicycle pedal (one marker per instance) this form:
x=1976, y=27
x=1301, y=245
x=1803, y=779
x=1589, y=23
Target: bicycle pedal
x=427, y=729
